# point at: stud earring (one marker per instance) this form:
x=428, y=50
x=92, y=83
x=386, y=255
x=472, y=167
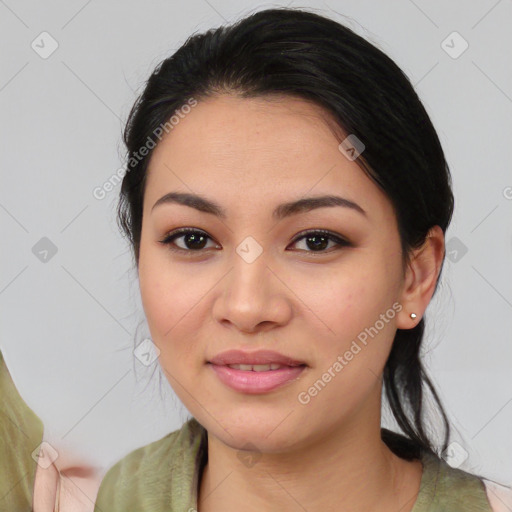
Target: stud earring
x=413, y=315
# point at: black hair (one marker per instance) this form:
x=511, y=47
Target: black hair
x=293, y=52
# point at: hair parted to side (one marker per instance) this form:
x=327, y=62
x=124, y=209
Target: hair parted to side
x=292, y=52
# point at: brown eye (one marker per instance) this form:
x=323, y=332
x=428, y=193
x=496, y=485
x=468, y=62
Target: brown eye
x=193, y=240
x=317, y=241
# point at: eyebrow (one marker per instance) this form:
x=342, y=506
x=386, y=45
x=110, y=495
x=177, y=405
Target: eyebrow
x=280, y=212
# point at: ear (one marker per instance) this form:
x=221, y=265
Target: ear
x=421, y=278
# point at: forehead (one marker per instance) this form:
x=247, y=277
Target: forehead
x=257, y=151
x=229, y=127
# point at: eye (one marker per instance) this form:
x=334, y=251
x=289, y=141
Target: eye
x=191, y=237
x=319, y=239
x=195, y=240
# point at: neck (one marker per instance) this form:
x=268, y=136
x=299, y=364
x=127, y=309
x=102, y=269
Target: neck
x=349, y=469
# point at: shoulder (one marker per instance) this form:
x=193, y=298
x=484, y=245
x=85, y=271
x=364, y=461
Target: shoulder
x=144, y=479
x=444, y=487
x=21, y=432
x=17, y=417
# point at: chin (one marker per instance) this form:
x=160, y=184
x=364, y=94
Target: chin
x=268, y=433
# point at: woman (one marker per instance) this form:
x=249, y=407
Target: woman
x=286, y=199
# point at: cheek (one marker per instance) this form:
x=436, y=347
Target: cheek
x=166, y=295
x=348, y=297
x=174, y=302
x=355, y=306
x=358, y=309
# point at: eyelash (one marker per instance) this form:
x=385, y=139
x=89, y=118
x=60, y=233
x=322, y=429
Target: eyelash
x=173, y=235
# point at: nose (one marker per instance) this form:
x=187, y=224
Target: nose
x=253, y=296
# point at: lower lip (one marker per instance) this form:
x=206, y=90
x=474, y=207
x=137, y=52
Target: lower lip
x=256, y=382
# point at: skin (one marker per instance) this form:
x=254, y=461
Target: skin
x=68, y=482
x=249, y=155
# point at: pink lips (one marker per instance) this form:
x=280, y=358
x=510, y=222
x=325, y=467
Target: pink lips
x=254, y=382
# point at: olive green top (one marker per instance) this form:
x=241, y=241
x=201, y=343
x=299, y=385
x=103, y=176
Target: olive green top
x=163, y=476
x=21, y=432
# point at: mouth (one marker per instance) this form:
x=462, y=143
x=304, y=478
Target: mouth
x=256, y=372
x=254, y=361
x=258, y=367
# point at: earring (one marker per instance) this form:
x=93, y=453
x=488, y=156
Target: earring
x=413, y=315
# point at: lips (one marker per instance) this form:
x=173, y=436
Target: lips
x=255, y=372
x=255, y=361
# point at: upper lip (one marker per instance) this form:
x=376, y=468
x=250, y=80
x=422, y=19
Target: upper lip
x=257, y=357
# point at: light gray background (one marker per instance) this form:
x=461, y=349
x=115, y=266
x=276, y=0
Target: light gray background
x=67, y=326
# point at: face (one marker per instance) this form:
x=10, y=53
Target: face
x=261, y=278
